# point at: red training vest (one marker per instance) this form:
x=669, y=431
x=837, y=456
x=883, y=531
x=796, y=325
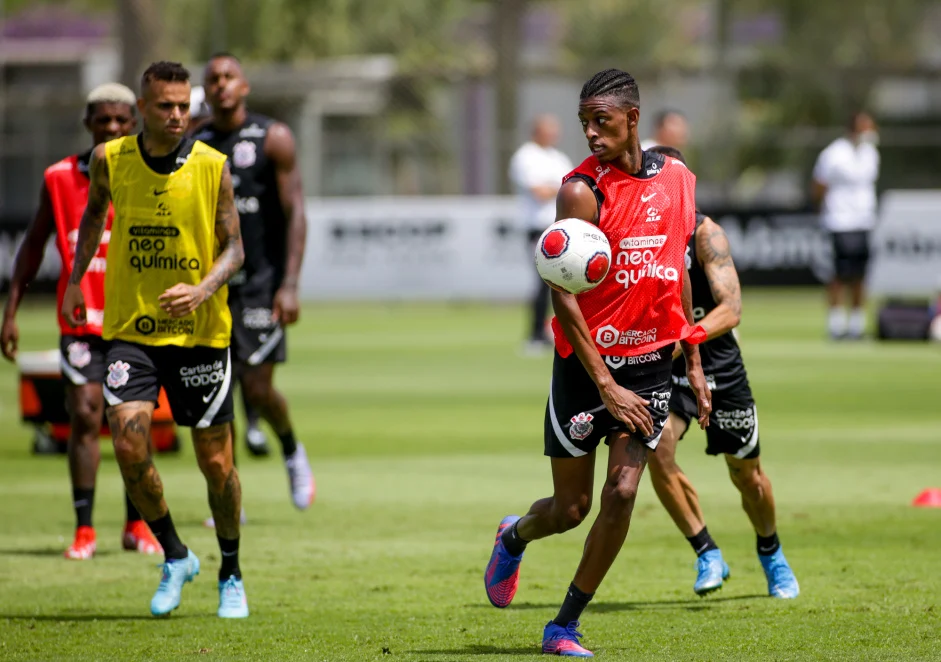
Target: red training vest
x=648, y=221
x=68, y=190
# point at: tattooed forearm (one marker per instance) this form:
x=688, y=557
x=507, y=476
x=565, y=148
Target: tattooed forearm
x=229, y=236
x=226, y=506
x=712, y=249
x=93, y=221
x=691, y=352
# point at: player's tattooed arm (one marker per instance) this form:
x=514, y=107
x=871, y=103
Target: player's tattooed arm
x=712, y=250
x=95, y=217
x=280, y=148
x=229, y=238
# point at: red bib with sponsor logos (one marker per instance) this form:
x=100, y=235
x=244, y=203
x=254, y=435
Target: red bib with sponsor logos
x=648, y=219
x=67, y=183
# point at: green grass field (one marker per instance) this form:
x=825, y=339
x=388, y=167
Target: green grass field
x=424, y=427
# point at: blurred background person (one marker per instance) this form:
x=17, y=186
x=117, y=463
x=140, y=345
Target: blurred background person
x=536, y=170
x=844, y=187
x=670, y=130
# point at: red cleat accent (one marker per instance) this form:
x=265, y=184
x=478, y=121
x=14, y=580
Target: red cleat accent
x=84, y=545
x=138, y=538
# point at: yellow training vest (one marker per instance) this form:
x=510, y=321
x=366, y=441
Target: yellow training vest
x=163, y=234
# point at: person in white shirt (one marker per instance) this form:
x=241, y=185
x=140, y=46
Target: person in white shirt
x=670, y=130
x=536, y=171
x=844, y=186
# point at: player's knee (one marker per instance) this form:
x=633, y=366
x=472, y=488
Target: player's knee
x=571, y=514
x=257, y=391
x=86, y=418
x=128, y=451
x=215, y=468
x=750, y=483
x=621, y=491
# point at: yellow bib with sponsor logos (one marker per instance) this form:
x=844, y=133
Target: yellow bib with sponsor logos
x=163, y=234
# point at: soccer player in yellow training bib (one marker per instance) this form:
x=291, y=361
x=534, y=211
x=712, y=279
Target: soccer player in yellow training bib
x=175, y=242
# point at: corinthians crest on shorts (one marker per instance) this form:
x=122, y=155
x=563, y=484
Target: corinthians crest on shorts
x=581, y=426
x=79, y=354
x=118, y=374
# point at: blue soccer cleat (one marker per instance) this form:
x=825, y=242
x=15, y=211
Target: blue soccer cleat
x=558, y=640
x=711, y=570
x=232, y=601
x=502, y=575
x=176, y=572
x=781, y=580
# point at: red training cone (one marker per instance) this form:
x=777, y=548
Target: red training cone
x=929, y=498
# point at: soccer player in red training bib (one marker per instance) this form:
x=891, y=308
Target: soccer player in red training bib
x=109, y=114
x=612, y=367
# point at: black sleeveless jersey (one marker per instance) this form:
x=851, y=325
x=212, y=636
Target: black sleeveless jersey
x=264, y=226
x=721, y=357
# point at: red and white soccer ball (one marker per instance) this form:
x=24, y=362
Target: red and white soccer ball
x=573, y=256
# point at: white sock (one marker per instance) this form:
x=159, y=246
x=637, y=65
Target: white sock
x=837, y=324
x=857, y=322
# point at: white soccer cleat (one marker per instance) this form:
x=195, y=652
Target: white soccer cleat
x=300, y=478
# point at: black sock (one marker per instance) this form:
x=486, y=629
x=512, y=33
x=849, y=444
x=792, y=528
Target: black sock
x=230, y=559
x=512, y=541
x=288, y=443
x=132, y=514
x=573, y=605
x=702, y=542
x=768, y=546
x=83, y=501
x=163, y=529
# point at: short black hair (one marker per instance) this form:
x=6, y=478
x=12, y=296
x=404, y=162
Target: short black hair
x=661, y=117
x=167, y=72
x=614, y=83
x=221, y=54
x=672, y=152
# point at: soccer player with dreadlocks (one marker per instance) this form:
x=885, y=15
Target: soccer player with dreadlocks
x=611, y=375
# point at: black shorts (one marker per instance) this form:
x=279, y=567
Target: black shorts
x=733, y=424
x=82, y=359
x=255, y=338
x=850, y=254
x=197, y=380
x=576, y=418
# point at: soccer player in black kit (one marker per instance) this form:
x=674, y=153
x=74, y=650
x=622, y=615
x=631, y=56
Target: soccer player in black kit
x=733, y=429
x=263, y=295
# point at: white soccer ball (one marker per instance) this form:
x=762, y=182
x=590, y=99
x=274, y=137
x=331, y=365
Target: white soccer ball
x=573, y=256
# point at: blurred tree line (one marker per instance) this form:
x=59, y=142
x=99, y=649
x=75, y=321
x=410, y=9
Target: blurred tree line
x=817, y=63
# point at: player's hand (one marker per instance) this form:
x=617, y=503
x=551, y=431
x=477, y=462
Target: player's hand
x=181, y=299
x=9, y=338
x=629, y=408
x=73, y=305
x=697, y=384
x=677, y=350
x=285, y=309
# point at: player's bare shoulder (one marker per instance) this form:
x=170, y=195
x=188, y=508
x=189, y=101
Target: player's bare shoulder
x=576, y=200
x=279, y=143
x=712, y=244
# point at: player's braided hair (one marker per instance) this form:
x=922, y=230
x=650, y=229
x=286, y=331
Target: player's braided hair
x=167, y=72
x=614, y=83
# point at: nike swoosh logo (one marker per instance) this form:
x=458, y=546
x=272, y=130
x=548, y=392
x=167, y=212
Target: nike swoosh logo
x=207, y=398
x=156, y=192
x=645, y=198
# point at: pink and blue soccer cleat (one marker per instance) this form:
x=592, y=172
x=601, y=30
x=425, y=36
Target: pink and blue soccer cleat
x=502, y=575
x=558, y=640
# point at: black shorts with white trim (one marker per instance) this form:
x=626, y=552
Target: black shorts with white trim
x=576, y=418
x=255, y=338
x=197, y=380
x=733, y=424
x=82, y=359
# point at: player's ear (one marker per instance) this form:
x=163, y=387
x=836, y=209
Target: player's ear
x=140, y=106
x=633, y=117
